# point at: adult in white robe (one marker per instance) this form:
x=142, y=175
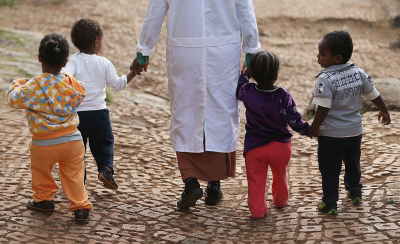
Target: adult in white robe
x=203, y=65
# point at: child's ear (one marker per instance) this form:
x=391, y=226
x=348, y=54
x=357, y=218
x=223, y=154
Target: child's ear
x=338, y=59
x=38, y=56
x=65, y=63
x=96, y=42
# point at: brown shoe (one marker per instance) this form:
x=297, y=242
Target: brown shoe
x=107, y=178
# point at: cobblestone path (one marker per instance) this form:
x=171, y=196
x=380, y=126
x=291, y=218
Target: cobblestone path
x=143, y=209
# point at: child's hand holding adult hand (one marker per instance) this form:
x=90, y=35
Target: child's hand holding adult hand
x=384, y=118
x=313, y=131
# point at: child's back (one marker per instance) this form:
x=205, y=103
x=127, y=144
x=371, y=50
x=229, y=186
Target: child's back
x=51, y=101
x=94, y=72
x=270, y=111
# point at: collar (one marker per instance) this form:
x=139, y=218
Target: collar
x=336, y=67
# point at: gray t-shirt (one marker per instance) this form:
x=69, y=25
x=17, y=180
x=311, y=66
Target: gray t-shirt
x=341, y=88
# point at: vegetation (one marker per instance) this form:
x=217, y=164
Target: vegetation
x=7, y=3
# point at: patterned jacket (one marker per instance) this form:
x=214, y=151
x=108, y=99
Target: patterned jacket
x=50, y=104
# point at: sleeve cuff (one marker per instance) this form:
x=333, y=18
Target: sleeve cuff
x=372, y=95
x=142, y=60
x=145, y=51
x=323, y=102
x=252, y=50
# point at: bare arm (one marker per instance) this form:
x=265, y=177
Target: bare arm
x=383, y=113
x=319, y=118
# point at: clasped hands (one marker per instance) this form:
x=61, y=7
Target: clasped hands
x=138, y=68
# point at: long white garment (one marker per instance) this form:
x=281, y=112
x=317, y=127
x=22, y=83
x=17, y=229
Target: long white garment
x=203, y=64
x=94, y=71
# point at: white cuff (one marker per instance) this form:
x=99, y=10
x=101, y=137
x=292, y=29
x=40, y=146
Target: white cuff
x=372, y=95
x=145, y=51
x=323, y=102
x=252, y=50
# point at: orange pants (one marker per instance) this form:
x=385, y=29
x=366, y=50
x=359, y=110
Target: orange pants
x=69, y=156
x=277, y=156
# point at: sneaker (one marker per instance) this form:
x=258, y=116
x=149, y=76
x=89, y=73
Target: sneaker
x=46, y=207
x=189, y=200
x=107, y=178
x=212, y=196
x=328, y=208
x=355, y=194
x=82, y=216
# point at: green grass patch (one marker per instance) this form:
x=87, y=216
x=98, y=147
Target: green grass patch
x=7, y=3
x=10, y=36
x=109, y=97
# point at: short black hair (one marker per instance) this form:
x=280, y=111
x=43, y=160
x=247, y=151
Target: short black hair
x=264, y=66
x=84, y=32
x=340, y=43
x=54, y=50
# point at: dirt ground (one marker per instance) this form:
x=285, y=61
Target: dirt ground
x=143, y=210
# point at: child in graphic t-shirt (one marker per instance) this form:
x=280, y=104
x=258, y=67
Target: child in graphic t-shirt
x=339, y=90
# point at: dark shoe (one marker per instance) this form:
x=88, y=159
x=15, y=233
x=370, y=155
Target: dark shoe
x=328, y=207
x=355, y=194
x=46, y=207
x=213, y=196
x=189, y=200
x=107, y=178
x=82, y=216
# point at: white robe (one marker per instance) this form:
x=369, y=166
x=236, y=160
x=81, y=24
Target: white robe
x=203, y=65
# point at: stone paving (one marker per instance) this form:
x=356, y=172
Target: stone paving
x=143, y=209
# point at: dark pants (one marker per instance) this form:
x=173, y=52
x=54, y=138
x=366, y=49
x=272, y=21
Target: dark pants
x=331, y=152
x=96, y=126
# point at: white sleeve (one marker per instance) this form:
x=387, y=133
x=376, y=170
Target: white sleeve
x=112, y=79
x=69, y=68
x=248, y=26
x=151, y=28
x=372, y=95
x=323, y=102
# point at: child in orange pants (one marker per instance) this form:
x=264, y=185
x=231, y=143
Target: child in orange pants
x=270, y=110
x=50, y=101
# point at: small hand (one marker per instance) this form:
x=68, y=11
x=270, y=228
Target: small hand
x=313, y=132
x=384, y=118
x=247, y=71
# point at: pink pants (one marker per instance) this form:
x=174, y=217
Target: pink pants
x=277, y=156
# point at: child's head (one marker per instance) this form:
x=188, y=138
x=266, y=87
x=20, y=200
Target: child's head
x=336, y=47
x=264, y=67
x=87, y=35
x=53, y=51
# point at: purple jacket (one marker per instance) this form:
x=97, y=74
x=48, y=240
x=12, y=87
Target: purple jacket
x=269, y=114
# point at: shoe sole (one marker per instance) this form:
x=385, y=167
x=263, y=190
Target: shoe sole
x=107, y=184
x=191, y=198
x=81, y=221
x=356, y=200
x=41, y=210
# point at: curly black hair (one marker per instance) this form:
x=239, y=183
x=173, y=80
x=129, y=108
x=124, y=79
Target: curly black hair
x=340, y=43
x=264, y=66
x=54, y=50
x=84, y=33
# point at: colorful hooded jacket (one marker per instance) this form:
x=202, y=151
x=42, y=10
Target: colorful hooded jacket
x=50, y=104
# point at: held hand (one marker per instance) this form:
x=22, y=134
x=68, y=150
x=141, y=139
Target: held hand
x=138, y=68
x=242, y=70
x=246, y=71
x=384, y=118
x=312, y=131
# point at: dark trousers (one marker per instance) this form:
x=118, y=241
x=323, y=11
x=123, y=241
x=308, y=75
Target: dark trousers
x=96, y=126
x=331, y=152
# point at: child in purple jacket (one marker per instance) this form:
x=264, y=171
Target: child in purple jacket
x=270, y=110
